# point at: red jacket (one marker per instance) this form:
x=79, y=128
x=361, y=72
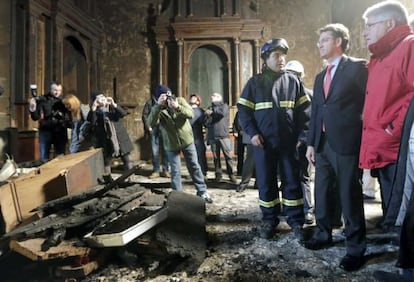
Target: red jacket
x=390, y=88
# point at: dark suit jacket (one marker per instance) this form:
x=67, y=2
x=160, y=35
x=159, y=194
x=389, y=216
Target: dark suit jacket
x=342, y=110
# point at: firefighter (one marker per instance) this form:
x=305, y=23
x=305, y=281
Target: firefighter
x=273, y=110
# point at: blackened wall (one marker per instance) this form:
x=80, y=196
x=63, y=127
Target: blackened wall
x=126, y=63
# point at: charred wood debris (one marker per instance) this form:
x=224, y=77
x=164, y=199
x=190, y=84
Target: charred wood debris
x=103, y=209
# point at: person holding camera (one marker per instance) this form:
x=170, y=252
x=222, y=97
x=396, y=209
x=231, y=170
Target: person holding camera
x=109, y=132
x=53, y=118
x=217, y=123
x=173, y=116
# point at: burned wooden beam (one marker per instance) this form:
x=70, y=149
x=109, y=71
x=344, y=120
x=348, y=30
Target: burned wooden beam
x=80, y=213
x=70, y=200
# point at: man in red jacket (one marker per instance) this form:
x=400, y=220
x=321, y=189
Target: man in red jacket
x=390, y=88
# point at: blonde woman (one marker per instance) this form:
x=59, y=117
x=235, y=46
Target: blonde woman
x=81, y=127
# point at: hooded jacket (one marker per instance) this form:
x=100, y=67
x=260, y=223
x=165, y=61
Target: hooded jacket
x=390, y=88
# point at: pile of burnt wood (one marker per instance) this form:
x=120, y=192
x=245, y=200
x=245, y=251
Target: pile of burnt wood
x=111, y=215
x=90, y=212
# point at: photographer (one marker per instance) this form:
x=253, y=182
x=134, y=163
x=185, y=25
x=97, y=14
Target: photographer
x=173, y=116
x=53, y=120
x=109, y=132
x=217, y=124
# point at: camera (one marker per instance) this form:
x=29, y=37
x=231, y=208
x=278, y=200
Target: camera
x=58, y=115
x=170, y=96
x=33, y=90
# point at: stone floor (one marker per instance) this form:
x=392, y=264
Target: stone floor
x=236, y=253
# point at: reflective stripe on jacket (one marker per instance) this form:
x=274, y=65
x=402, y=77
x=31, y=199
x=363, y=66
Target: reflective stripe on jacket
x=276, y=107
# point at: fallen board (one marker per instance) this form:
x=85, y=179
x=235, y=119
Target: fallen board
x=32, y=249
x=84, y=260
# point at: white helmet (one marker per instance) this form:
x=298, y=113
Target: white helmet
x=295, y=66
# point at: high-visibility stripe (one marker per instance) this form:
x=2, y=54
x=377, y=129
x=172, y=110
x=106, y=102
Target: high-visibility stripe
x=257, y=106
x=302, y=100
x=287, y=104
x=292, y=203
x=264, y=105
x=270, y=204
x=269, y=105
x=246, y=103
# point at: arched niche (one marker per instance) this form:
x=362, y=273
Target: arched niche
x=208, y=72
x=75, y=69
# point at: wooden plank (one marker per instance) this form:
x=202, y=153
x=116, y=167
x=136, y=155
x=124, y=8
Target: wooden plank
x=32, y=249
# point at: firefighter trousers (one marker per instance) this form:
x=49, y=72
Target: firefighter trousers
x=269, y=163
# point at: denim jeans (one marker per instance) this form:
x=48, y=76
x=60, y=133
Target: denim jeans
x=47, y=139
x=191, y=160
x=201, y=154
x=156, y=147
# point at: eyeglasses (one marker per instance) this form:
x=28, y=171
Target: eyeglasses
x=369, y=25
x=324, y=40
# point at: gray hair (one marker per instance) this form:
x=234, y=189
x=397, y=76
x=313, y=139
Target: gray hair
x=388, y=10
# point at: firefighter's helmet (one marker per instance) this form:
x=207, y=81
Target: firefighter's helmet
x=272, y=45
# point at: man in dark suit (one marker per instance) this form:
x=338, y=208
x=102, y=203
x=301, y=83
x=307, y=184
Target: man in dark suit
x=333, y=144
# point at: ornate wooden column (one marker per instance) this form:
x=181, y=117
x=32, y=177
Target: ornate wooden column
x=179, y=7
x=236, y=51
x=223, y=8
x=58, y=59
x=180, y=43
x=236, y=7
x=94, y=77
x=190, y=8
x=256, y=57
x=32, y=50
x=160, y=62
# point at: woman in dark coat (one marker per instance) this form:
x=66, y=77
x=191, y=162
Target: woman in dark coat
x=109, y=131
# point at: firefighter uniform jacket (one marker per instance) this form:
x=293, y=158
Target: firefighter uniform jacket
x=276, y=107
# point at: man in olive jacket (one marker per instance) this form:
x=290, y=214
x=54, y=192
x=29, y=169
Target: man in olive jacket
x=173, y=115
